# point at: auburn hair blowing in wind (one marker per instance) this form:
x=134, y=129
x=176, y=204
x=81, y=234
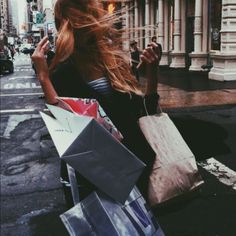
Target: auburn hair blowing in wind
x=86, y=35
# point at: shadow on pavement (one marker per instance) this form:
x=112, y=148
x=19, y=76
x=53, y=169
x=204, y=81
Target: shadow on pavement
x=205, y=139
x=48, y=224
x=179, y=217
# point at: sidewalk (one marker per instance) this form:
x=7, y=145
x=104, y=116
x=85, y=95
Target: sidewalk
x=184, y=89
x=204, y=112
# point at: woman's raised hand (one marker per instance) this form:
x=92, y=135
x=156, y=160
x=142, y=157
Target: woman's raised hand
x=38, y=57
x=151, y=55
x=41, y=66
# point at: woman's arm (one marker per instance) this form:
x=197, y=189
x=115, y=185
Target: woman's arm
x=41, y=66
x=152, y=73
x=151, y=57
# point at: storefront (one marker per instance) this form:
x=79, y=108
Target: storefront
x=223, y=43
x=194, y=34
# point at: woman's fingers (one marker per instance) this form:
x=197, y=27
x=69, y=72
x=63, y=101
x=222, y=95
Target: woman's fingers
x=149, y=55
x=45, y=46
x=145, y=59
x=152, y=52
x=41, y=49
x=43, y=40
x=42, y=45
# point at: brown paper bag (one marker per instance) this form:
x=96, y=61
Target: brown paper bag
x=175, y=171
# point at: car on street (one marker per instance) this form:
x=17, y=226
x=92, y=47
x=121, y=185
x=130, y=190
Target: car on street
x=25, y=50
x=28, y=50
x=6, y=64
x=25, y=45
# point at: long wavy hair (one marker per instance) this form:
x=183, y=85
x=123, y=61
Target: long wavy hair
x=86, y=35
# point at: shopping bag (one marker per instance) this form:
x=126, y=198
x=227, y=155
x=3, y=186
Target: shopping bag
x=175, y=171
x=92, y=151
x=89, y=107
x=99, y=215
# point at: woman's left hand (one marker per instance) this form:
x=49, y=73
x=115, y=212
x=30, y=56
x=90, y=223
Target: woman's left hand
x=151, y=57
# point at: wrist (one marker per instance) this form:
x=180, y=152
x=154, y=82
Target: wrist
x=153, y=67
x=152, y=96
x=43, y=76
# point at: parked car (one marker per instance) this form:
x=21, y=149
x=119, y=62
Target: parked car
x=25, y=50
x=28, y=50
x=6, y=64
x=25, y=45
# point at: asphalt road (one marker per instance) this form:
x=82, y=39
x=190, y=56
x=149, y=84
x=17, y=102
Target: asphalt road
x=31, y=195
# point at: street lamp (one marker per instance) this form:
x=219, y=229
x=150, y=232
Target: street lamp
x=111, y=8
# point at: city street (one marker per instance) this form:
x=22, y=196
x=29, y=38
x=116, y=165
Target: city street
x=31, y=194
x=30, y=188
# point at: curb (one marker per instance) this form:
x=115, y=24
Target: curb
x=198, y=108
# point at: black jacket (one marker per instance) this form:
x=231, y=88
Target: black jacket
x=124, y=111
x=122, y=108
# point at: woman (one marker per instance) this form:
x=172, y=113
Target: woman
x=89, y=63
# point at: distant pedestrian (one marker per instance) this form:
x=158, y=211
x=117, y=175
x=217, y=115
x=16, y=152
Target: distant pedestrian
x=6, y=52
x=18, y=50
x=12, y=50
x=154, y=39
x=135, y=58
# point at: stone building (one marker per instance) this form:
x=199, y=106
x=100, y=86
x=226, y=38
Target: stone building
x=4, y=16
x=194, y=34
x=41, y=19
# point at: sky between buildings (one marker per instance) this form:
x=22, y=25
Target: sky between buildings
x=19, y=8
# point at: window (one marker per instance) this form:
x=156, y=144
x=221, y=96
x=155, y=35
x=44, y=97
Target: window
x=215, y=23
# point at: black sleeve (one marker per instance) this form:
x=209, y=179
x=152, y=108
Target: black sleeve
x=68, y=82
x=60, y=79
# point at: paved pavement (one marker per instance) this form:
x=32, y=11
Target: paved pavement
x=184, y=89
x=203, y=110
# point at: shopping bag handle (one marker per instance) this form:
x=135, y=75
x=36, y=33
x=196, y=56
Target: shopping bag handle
x=74, y=184
x=145, y=107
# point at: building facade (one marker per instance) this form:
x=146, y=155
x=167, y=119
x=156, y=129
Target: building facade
x=3, y=23
x=4, y=16
x=194, y=34
x=40, y=19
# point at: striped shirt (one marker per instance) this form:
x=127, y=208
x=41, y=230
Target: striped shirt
x=101, y=85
